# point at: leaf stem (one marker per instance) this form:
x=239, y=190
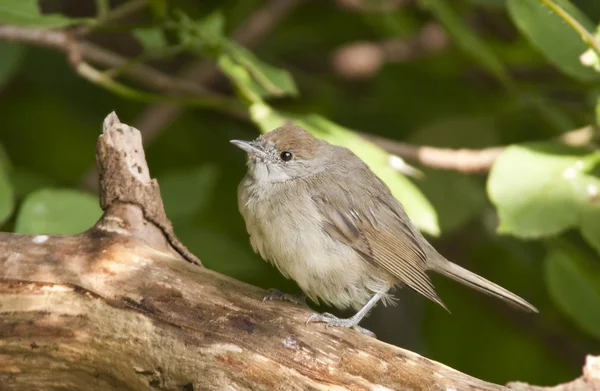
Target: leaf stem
x=101, y=79
x=585, y=35
x=144, y=57
x=106, y=15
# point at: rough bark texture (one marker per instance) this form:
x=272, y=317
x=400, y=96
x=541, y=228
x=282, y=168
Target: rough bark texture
x=125, y=306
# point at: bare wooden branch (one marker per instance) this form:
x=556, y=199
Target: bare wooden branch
x=118, y=307
x=469, y=161
x=125, y=179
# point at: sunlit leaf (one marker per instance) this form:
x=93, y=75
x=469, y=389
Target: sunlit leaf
x=246, y=86
x=416, y=205
x=558, y=41
x=275, y=81
x=542, y=189
x=57, y=211
x=28, y=13
x=574, y=284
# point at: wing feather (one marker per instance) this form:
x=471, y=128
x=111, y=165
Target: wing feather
x=380, y=234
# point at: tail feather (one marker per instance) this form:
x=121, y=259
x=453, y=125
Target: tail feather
x=472, y=280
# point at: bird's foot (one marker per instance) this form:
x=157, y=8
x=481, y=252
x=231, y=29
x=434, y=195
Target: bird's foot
x=276, y=294
x=332, y=320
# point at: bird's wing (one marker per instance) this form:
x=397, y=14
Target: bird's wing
x=379, y=231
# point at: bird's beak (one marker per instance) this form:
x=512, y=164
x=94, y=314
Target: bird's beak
x=249, y=146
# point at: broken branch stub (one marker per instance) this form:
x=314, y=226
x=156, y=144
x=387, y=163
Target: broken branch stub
x=125, y=179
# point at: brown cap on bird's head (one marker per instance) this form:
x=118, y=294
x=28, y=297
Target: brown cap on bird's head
x=294, y=139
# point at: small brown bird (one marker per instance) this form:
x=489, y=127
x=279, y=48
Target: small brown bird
x=323, y=218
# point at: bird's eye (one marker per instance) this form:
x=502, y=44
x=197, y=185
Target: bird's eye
x=286, y=156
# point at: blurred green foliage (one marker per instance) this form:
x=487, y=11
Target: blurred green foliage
x=511, y=74
x=528, y=181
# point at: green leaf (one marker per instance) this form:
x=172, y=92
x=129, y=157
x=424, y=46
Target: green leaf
x=254, y=78
x=7, y=196
x=150, y=38
x=274, y=81
x=247, y=88
x=10, y=57
x=466, y=39
x=57, y=211
x=416, y=205
x=28, y=13
x=542, y=189
x=573, y=281
x=552, y=36
x=186, y=192
x=205, y=35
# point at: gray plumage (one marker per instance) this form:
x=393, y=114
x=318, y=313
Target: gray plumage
x=324, y=219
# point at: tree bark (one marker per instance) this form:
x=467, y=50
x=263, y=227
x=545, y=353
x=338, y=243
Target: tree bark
x=125, y=306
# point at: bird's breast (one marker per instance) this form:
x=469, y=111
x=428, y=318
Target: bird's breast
x=285, y=228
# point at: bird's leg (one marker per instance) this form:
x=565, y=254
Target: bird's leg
x=331, y=320
x=276, y=294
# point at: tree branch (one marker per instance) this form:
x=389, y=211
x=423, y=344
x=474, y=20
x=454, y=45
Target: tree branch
x=79, y=51
x=468, y=161
x=118, y=308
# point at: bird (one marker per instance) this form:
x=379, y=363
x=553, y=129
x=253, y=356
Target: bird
x=319, y=214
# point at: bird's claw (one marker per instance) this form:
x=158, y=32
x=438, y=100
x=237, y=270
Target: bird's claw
x=332, y=320
x=276, y=294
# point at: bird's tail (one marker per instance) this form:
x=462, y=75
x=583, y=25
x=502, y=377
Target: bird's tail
x=443, y=266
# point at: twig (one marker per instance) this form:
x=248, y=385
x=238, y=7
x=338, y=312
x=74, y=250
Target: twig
x=585, y=35
x=468, y=161
x=101, y=79
x=63, y=41
x=108, y=16
x=258, y=25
